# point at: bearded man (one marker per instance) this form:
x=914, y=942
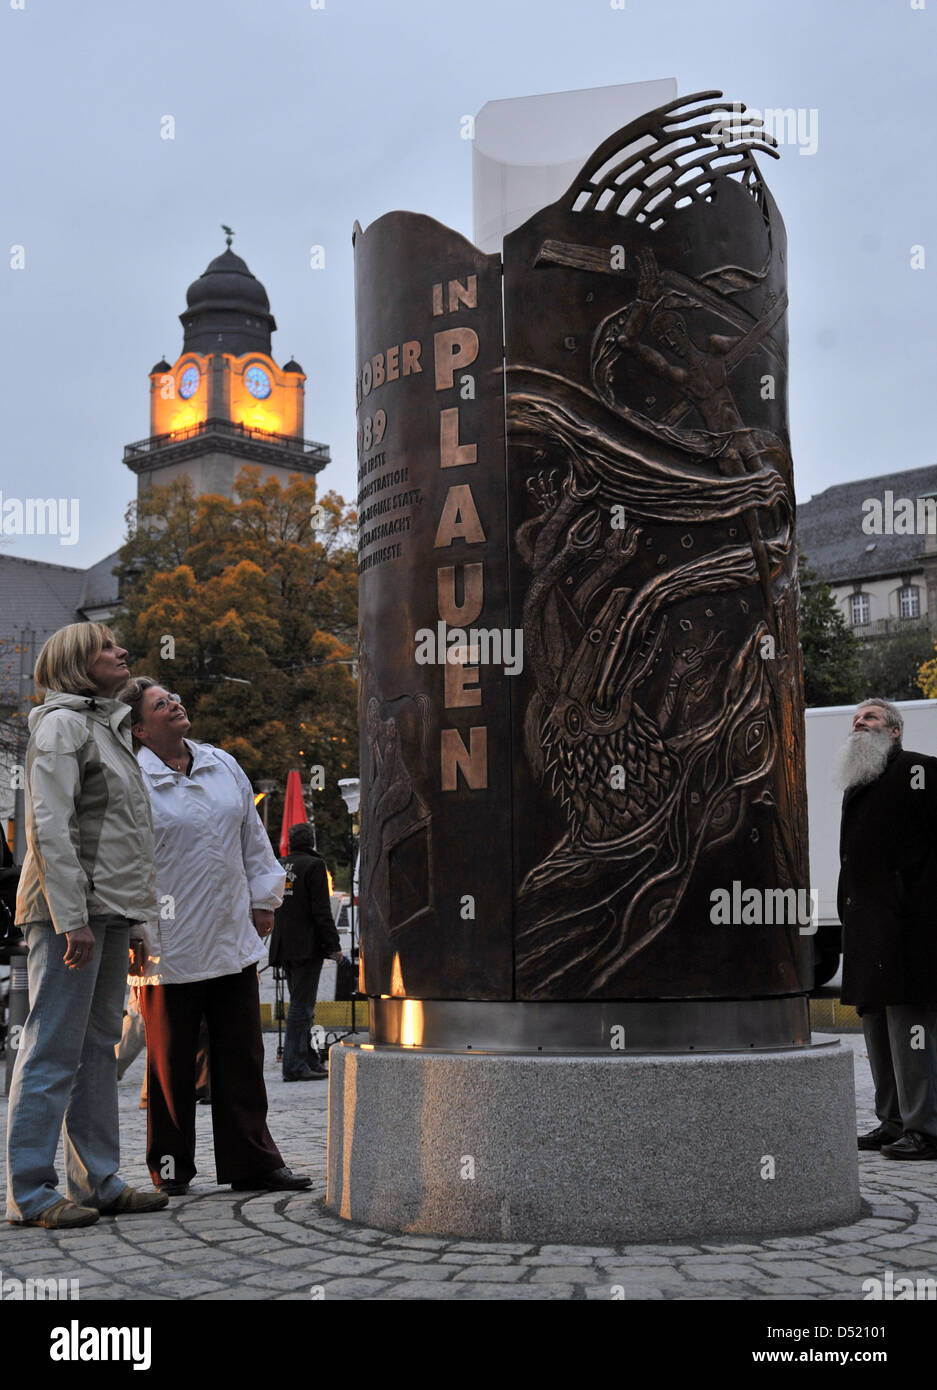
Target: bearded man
x=887, y=900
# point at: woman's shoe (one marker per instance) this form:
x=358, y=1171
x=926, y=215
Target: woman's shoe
x=280, y=1180
x=61, y=1216
x=130, y=1202
x=172, y=1188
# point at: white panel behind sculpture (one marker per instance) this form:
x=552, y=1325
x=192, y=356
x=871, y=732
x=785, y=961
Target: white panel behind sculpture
x=528, y=150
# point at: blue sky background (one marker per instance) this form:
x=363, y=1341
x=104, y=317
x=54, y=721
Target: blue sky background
x=291, y=122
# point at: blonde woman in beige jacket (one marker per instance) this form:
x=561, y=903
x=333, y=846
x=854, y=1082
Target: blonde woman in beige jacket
x=87, y=884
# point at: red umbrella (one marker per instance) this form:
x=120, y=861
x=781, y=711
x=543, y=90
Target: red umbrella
x=294, y=809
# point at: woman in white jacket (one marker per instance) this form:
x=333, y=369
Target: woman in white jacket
x=218, y=884
x=86, y=887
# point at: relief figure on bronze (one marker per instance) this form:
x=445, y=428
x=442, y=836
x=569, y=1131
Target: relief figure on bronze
x=660, y=608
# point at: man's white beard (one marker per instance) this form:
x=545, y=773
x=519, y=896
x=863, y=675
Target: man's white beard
x=862, y=758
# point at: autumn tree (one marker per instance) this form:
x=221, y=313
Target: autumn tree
x=830, y=650
x=246, y=607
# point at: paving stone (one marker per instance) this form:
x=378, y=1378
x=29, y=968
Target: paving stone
x=187, y=1288
x=281, y=1279
x=834, y=1253
x=707, y=1292
x=798, y=1269
x=768, y=1258
x=112, y=1291
x=840, y=1281
x=641, y=1273
x=353, y=1264
x=87, y=1278
x=464, y=1258
x=794, y=1269
x=425, y=1272
x=357, y=1237
x=561, y=1274
x=330, y=1224
x=297, y=1235
x=721, y=1261
x=913, y=1259
x=492, y=1247
x=45, y=1268
x=855, y=1264
x=716, y=1272
x=420, y=1242
x=390, y=1252
x=571, y=1258
x=564, y=1250
x=475, y=1292
x=498, y=1273
x=672, y=1252
x=223, y=1232
x=100, y=1250
x=126, y=1264
x=196, y=1254
x=296, y=1257
x=236, y=1293
x=732, y=1249
x=639, y=1258
x=352, y=1288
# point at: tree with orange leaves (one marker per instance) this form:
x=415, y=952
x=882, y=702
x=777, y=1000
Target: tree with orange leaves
x=247, y=607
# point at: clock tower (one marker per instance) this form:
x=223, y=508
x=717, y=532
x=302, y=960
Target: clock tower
x=224, y=402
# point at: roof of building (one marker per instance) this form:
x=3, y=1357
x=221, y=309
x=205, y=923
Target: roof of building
x=227, y=310
x=38, y=595
x=101, y=586
x=830, y=534
x=227, y=280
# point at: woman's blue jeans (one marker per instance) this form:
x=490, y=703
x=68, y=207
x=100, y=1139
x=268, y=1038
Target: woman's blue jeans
x=65, y=1077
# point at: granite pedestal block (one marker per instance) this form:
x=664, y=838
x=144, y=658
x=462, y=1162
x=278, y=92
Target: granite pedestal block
x=593, y=1149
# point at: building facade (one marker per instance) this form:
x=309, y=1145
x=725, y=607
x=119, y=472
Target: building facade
x=874, y=541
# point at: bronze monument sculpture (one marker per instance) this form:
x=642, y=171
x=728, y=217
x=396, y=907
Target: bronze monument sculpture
x=580, y=692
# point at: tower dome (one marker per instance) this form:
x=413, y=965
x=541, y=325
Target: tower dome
x=227, y=310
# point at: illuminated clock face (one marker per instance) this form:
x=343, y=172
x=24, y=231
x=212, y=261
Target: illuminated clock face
x=188, y=383
x=258, y=383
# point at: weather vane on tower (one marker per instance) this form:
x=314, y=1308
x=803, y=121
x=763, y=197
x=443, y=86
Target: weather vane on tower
x=229, y=233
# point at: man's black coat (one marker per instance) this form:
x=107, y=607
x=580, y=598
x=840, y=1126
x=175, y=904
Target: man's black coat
x=887, y=894
x=303, y=927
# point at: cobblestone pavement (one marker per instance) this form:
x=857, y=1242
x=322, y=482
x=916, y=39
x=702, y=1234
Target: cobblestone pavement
x=217, y=1245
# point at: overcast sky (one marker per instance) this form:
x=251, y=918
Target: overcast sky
x=291, y=122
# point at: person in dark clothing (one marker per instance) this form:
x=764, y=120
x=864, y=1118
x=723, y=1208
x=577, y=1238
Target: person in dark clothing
x=303, y=936
x=887, y=900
